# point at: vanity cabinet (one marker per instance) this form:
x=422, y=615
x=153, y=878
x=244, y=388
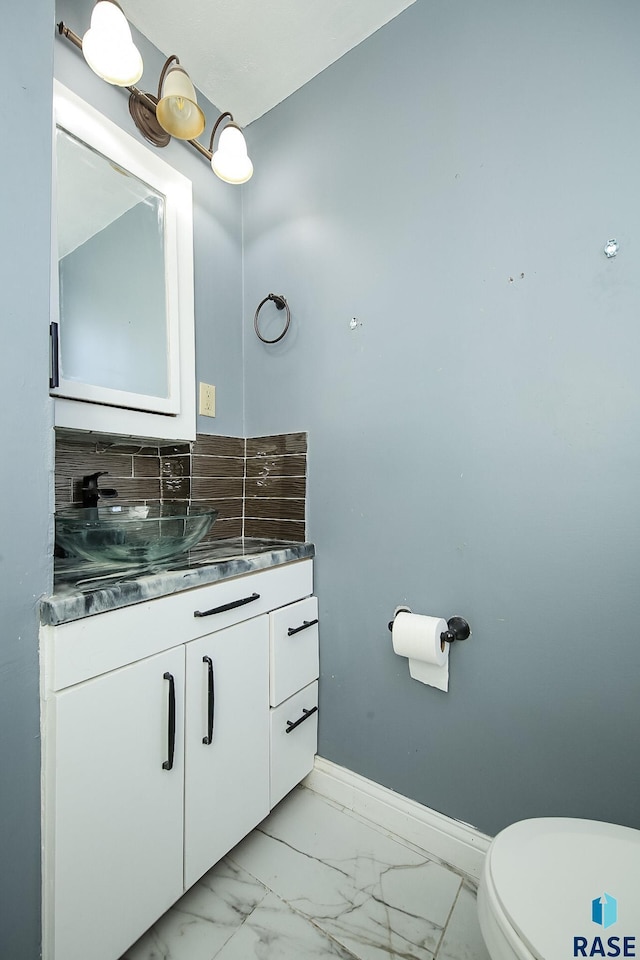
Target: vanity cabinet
x=159, y=750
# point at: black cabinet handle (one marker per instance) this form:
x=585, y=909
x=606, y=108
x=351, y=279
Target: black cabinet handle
x=305, y=625
x=227, y=606
x=292, y=724
x=54, y=379
x=171, y=739
x=210, y=701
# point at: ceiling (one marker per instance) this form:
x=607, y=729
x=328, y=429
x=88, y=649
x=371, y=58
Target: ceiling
x=248, y=55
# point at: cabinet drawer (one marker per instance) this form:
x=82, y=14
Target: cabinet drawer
x=294, y=740
x=293, y=649
x=94, y=645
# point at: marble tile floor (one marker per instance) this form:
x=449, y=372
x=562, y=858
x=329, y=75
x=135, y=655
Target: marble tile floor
x=316, y=880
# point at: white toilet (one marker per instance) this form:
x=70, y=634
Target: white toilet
x=539, y=883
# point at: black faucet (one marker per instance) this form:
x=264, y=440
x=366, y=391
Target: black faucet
x=91, y=492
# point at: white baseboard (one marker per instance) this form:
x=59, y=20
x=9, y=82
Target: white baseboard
x=452, y=841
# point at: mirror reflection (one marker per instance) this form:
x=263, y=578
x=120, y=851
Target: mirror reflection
x=111, y=272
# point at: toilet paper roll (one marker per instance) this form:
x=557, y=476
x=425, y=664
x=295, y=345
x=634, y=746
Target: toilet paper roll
x=418, y=637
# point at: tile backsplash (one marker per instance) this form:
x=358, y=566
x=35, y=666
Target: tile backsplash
x=275, y=486
x=258, y=485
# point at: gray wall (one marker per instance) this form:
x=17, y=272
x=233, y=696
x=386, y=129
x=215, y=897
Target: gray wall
x=216, y=220
x=26, y=413
x=474, y=443
x=27, y=458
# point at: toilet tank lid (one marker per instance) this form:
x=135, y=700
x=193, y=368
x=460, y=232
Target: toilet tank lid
x=547, y=874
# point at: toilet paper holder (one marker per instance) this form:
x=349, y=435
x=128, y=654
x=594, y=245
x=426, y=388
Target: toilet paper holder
x=457, y=627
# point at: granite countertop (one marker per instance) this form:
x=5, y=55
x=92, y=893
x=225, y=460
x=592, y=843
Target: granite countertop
x=82, y=588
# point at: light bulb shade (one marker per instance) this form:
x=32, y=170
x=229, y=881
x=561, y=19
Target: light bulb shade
x=178, y=112
x=230, y=161
x=108, y=48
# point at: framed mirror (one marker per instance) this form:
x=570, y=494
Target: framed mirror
x=122, y=330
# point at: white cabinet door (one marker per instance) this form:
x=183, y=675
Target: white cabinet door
x=227, y=779
x=117, y=809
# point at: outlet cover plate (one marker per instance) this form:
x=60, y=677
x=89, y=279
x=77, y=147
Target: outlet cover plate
x=207, y=404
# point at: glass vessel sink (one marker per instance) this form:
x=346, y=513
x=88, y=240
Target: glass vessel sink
x=132, y=534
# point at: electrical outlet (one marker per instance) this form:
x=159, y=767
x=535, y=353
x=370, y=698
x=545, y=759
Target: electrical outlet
x=207, y=400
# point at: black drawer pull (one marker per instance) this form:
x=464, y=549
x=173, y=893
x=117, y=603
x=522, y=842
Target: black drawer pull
x=171, y=738
x=305, y=625
x=210, y=701
x=227, y=606
x=291, y=725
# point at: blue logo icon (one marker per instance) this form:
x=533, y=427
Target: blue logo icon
x=604, y=910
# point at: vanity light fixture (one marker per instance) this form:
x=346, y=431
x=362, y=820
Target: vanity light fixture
x=108, y=47
x=178, y=111
x=175, y=111
x=230, y=161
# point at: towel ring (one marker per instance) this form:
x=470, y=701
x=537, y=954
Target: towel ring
x=281, y=304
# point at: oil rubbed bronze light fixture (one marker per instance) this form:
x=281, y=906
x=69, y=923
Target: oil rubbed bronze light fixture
x=111, y=53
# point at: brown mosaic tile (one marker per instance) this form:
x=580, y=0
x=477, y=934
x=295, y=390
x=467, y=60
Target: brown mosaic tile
x=175, y=488
x=223, y=529
x=276, y=487
x=79, y=461
x=133, y=449
x=146, y=466
x=208, y=473
x=73, y=438
x=207, y=488
x=218, y=446
x=278, y=445
x=63, y=491
x=148, y=452
x=228, y=509
x=272, y=509
x=175, y=468
x=218, y=466
x=172, y=449
x=275, y=529
x=263, y=467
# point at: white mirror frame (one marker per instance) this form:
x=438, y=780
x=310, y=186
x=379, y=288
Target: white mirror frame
x=85, y=406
